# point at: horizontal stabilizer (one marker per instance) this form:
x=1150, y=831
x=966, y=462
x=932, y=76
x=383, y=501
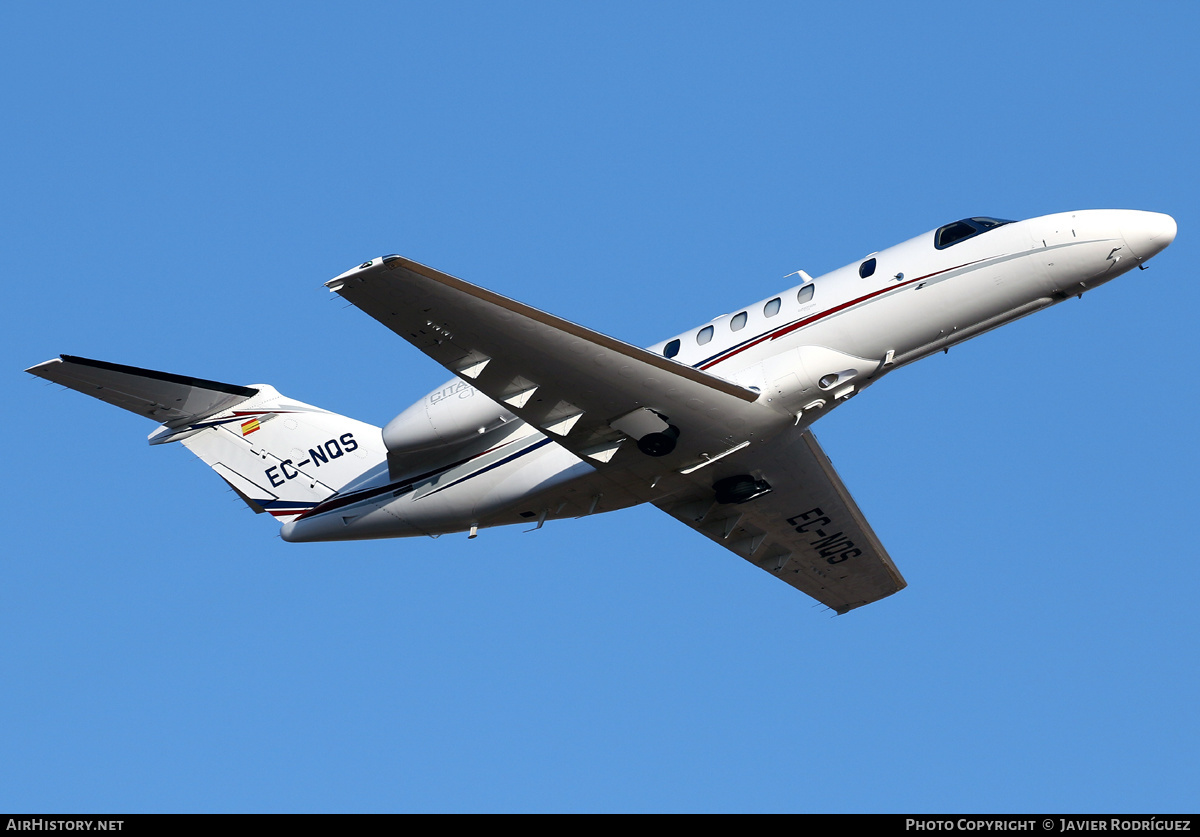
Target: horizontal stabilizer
x=171, y=400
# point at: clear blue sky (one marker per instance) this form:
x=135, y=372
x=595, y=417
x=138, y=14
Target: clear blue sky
x=180, y=180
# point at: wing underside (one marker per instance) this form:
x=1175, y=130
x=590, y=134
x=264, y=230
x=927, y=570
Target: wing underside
x=807, y=531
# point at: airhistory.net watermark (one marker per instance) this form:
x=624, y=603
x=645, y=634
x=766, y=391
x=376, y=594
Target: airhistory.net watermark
x=40, y=824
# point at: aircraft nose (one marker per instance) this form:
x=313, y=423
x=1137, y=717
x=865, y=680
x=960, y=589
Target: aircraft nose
x=1147, y=233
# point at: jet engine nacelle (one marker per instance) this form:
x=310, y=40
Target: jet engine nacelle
x=453, y=413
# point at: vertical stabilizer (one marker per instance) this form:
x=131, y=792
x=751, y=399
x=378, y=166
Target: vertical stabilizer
x=283, y=456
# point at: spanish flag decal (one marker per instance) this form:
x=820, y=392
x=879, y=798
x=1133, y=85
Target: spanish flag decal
x=249, y=427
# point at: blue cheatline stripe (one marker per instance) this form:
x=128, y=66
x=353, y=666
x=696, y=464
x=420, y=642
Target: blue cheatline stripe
x=497, y=464
x=284, y=504
x=398, y=488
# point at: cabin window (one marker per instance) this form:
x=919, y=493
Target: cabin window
x=704, y=335
x=738, y=322
x=772, y=307
x=671, y=349
x=805, y=294
x=866, y=268
x=964, y=229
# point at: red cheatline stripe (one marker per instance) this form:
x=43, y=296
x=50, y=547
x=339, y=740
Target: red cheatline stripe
x=788, y=329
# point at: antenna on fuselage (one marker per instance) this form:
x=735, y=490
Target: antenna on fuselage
x=804, y=277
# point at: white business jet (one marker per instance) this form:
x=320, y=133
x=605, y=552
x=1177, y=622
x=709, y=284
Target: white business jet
x=547, y=419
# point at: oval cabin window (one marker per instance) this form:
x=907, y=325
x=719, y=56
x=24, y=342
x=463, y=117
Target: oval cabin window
x=866, y=268
x=704, y=335
x=738, y=322
x=772, y=307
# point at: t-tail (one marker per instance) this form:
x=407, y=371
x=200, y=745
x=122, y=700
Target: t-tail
x=281, y=456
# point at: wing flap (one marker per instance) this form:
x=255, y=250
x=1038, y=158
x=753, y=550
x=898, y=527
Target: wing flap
x=171, y=400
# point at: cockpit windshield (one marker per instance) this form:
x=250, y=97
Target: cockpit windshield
x=964, y=229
